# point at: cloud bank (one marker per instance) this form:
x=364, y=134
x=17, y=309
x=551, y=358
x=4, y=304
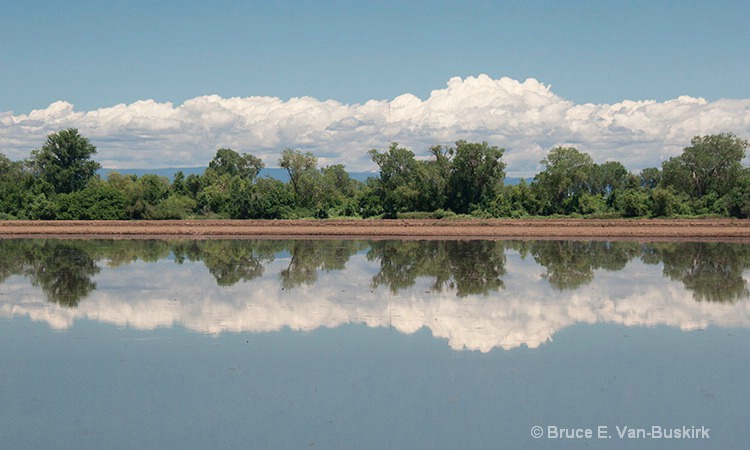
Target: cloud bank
x=526, y=118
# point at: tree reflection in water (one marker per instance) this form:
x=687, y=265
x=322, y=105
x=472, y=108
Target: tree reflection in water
x=229, y=261
x=308, y=257
x=64, y=273
x=65, y=269
x=571, y=264
x=469, y=267
x=713, y=271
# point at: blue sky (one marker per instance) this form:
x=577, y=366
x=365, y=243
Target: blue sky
x=95, y=54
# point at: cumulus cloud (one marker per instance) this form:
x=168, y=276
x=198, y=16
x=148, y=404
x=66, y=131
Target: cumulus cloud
x=527, y=118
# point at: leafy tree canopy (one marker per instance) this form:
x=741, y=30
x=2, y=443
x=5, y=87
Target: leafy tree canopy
x=477, y=174
x=711, y=165
x=64, y=161
x=229, y=162
x=566, y=175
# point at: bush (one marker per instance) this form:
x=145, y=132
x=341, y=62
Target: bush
x=174, y=207
x=96, y=202
x=348, y=208
x=591, y=204
x=633, y=203
x=39, y=207
x=266, y=199
x=442, y=214
x=214, y=199
x=666, y=203
x=370, y=205
x=738, y=203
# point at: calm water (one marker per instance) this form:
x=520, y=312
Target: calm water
x=373, y=344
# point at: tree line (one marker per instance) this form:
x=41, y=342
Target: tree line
x=60, y=181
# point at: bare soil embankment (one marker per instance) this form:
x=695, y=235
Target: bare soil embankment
x=657, y=229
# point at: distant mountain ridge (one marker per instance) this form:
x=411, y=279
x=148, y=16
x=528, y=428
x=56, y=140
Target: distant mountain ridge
x=273, y=172
x=169, y=172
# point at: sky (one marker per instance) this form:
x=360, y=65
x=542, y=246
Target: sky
x=165, y=84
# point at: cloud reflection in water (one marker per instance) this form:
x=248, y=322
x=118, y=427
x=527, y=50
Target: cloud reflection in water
x=517, y=297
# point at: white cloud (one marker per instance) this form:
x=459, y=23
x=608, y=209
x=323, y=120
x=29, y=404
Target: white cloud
x=526, y=118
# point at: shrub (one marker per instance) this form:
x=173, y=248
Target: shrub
x=633, y=203
x=174, y=207
x=666, y=203
x=591, y=204
x=96, y=202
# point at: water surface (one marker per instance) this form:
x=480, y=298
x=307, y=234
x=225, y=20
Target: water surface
x=381, y=344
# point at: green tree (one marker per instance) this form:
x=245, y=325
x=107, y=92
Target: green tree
x=216, y=198
x=591, y=203
x=738, y=199
x=64, y=161
x=16, y=185
x=298, y=165
x=99, y=201
x=339, y=190
x=435, y=179
x=666, y=203
x=476, y=176
x=135, y=205
x=174, y=207
x=240, y=204
x=566, y=176
x=711, y=165
x=398, y=186
x=265, y=199
x=633, y=203
x=178, y=184
x=608, y=177
x=142, y=195
x=155, y=188
x=650, y=177
x=193, y=185
x=516, y=201
x=369, y=203
x=229, y=162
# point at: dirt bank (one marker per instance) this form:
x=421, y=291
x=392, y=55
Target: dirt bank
x=719, y=229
